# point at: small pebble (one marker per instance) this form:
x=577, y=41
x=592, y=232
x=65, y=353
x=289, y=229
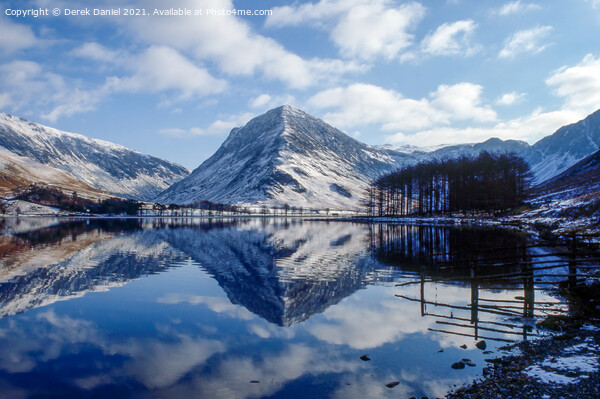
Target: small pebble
x=458, y=365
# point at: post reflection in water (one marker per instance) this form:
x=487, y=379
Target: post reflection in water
x=477, y=257
x=248, y=308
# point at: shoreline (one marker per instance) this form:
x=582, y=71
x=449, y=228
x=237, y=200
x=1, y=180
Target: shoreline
x=564, y=366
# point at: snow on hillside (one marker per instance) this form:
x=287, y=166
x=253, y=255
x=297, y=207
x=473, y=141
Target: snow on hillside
x=284, y=156
x=568, y=145
x=17, y=171
x=287, y=156
x=100, y=164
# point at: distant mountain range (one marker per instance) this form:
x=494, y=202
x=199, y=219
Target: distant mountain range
x=51, y=156
x=284, y=156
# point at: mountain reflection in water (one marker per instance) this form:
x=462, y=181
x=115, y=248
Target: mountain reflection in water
x=206, y=308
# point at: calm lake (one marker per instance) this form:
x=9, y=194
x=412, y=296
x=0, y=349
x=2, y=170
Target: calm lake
x=253, y=308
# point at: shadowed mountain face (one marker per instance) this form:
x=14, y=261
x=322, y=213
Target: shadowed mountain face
x=555, y=153
x=583, y=178
x=102, y=165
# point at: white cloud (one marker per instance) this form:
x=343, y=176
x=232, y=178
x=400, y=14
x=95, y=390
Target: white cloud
x=579, y=84
x=260, y=101
x=229, y=378
x=450, y=39
x=158, y=364
x=594, y=3
x=529, y=128
x=517, y=7
x=310, y=12
x=364, y=104
x=4, y=100
x=15, y=37
x=510, y=98
x=438, y=118
x=97, y=52
x=29, y=87
x=216, y=304
x=525, y=41
x=158, y=69
x=161, y=68
x=264, y=101
x=365, y=328
x=371, y=30
x=230, y=43
x=220, y=126
x=462, y=101
x=359, y=28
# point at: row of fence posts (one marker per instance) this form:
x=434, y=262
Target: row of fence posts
x=529, y=263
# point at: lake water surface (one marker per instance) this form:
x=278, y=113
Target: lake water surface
x=252, y=308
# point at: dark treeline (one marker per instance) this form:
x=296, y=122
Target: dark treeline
x=486, y=183
x=51, y=196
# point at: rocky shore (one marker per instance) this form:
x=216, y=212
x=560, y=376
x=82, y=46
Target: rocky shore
x=564, y=366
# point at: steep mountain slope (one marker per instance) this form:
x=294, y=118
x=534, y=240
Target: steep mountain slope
x=97, y=163
x=581, y=179
x=17, y=172
x=568, y=145
x=286, y=156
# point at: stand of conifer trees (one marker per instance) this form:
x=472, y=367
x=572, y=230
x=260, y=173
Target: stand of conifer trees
x=485, y=183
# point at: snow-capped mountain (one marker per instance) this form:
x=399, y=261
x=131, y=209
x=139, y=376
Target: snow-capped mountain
x=97, y=163
x=572, y=194
x=17, y=172
x=580, y=180
x=494, y=145
x=568, y=145
x=286, y=156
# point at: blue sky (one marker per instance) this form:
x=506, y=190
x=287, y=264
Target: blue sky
x=383, y=71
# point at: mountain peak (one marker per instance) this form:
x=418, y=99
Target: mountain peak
x=284, y=156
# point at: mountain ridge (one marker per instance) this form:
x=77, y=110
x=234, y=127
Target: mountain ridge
x=568, y=145
x=97, y=163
